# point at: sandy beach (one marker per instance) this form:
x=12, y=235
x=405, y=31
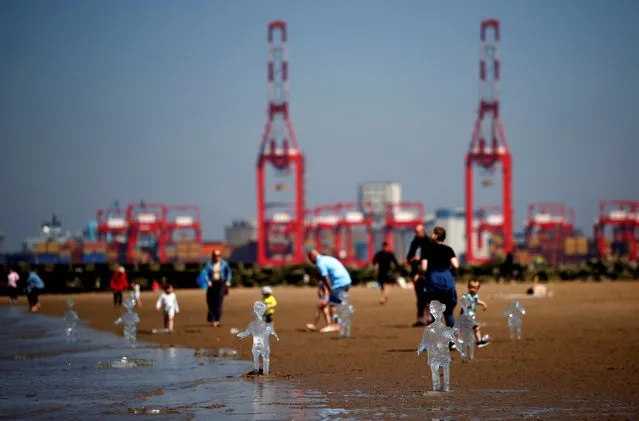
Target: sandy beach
x=579, y=352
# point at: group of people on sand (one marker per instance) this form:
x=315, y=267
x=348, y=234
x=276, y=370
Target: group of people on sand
x=33, y=288
x=432, y=265
x=166, y=303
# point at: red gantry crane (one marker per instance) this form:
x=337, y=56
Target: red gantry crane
x=353, y=216
x=488, y=145
x=183, y=221
x=399, y=217
x=555, y=218
x=338, y=222
x=146, y=221
x=183, y=229
x=623, y=217
x=557, y=221
x=280, y=150
x=113, y=223
x=326, y=223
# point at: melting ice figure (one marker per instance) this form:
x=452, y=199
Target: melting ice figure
x=261, y=332
x=436, y=341
x=71, y=319
x=124, y=362
x=464, y=328
x=129, y=320
x=514, y=312
x=343, y=313
x=133, y=298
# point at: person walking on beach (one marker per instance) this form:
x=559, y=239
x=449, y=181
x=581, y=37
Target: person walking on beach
x=336, y=281
x=419, y=243
x=35, y=285
x=219, y=277
x=168, y=305
x=436, y=263
x=12, y=285
x=119, y=283
x=384, y=261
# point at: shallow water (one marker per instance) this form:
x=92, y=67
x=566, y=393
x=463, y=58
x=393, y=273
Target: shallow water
x=43, y=377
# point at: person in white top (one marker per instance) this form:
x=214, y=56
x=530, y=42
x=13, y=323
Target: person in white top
x=169, y=305
x=12, y=283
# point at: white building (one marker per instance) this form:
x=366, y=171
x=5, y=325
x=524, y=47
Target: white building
x=379, y=193
x=453, y=220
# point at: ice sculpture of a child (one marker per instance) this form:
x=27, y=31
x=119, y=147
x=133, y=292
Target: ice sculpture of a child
x=344, y=312
x=71, y=319
x=129, y=320
x=514, y=312
x=435, y=341
x=261, y=332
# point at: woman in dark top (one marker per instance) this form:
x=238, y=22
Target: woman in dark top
x=440, y=282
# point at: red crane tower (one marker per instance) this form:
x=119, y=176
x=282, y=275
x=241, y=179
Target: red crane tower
x=279, y=148
x=399, y=217
x=146, y=220
x=623, y=217
x=485, y=154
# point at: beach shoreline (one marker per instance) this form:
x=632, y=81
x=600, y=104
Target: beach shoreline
x=578, y=350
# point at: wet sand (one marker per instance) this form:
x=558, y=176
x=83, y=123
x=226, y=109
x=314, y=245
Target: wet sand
x=579, y=356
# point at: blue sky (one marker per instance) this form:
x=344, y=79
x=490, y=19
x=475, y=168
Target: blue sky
x=165, y=101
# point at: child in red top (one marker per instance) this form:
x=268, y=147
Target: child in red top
x=118, y=285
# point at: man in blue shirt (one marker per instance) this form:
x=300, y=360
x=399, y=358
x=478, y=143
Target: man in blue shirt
x=336, y=281
x=34, y=287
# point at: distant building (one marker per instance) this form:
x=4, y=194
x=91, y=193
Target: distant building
x=453, y=220
x=241, y=232
x=379, y=193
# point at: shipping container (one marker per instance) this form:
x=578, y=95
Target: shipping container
x=40, y=248
x=46, y=258
x=94, y=247
x=207, y=249
x=583, y=245
x=170, y=252
x=570, y=246
x=95, y=258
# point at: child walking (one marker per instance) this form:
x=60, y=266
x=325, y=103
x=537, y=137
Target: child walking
x=269, y=299
x=473, y=299
x=169, y=305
